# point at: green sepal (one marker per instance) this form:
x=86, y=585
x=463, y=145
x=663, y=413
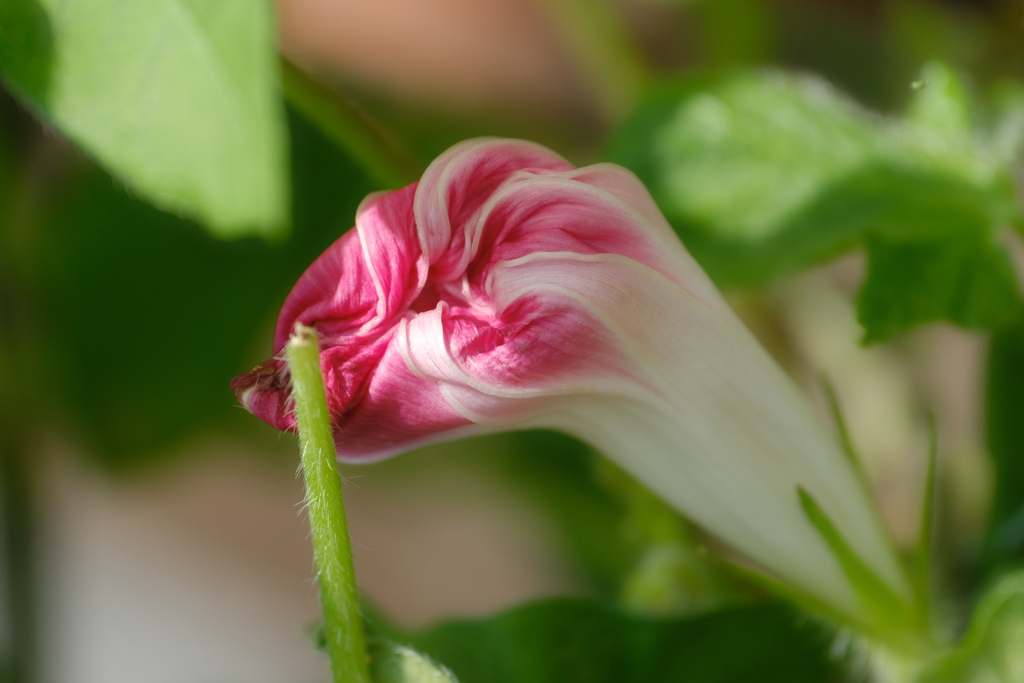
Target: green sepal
x=891, y=618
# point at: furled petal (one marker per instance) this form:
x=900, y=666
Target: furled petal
x=363, y=279
x=508, y=290
x=705, y=418
x=455, y=186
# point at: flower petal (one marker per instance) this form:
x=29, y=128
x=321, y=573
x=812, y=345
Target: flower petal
x=395, y=411
x=367, y=276
x=691, y=405
x=457, y=183
x=507, y=290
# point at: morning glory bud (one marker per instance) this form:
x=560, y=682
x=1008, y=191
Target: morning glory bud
x=508, y=290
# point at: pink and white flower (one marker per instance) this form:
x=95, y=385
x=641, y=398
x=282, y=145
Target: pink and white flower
x=508, y=290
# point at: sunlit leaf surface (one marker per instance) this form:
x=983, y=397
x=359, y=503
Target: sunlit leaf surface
x=765, y=172
x=178, y=98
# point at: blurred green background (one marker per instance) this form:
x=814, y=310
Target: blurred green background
x=121, y=323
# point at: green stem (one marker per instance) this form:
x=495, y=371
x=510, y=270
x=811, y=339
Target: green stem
x=922, y=568
x=843, y=432
x=362, y=138
x=605, y=53
x=343, y=626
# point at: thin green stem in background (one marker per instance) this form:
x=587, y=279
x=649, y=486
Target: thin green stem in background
x=923, y=558
x=367, y=142
x=842, y=431
x=846, y=441
x=604, y=51
x=343, y=626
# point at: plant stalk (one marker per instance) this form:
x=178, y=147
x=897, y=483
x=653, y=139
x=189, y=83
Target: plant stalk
x=343, y=626
x=370, y=145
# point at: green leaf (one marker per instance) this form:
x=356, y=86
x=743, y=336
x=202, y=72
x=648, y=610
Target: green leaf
x=941, y=105
x=1007, y=126
x=26, y=44
x=745, y=157
x=179, y=98
x=764, y=172
x=391, y=663
x=582, y=641
x=144, y=319
x=991, y=651
x=966, y=279
x=1005, y=436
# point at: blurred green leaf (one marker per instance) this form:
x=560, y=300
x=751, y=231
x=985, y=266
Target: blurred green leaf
x=26, y=44
x=671, y=579
x=968, y=281
x=1007, y=126
x=581, y=641
x=623, y=539
x=672, y=574
x=558, y=471
x=763, y=173
x=1005, y=436
x=744, y=155
x=179, y=98
x=146, y=318
x=941, y=105
x=992, y=651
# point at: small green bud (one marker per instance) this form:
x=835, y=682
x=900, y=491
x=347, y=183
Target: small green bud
x=394, y=663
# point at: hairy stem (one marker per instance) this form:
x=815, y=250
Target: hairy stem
x=343, y=626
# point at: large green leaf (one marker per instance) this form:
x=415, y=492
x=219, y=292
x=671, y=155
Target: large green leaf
x=581, y=641
x=145, y=319
x=764, y=172
x=179, y=98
